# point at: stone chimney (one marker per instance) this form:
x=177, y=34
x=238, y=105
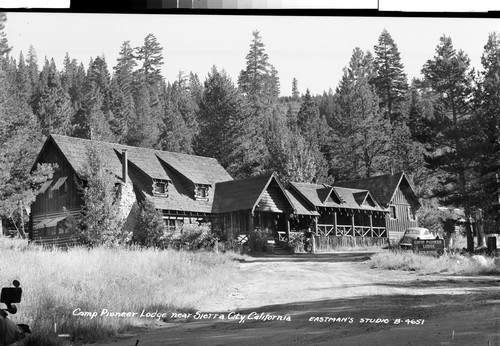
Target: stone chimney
x=124, y=165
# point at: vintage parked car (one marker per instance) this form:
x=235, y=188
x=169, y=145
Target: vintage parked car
x=417, y=233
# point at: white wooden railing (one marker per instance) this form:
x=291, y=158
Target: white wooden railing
x=348, y=230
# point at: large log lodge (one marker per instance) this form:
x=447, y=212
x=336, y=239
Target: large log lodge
x=194, y=189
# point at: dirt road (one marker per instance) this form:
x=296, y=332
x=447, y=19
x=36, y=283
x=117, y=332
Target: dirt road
x=337, y=299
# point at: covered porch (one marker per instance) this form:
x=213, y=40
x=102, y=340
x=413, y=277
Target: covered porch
x=256, y=206
x=341, y=222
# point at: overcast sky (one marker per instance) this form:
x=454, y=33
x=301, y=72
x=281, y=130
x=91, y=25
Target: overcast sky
x=312, y=49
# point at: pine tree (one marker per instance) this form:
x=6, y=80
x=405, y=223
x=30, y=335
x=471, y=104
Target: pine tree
x=143, y=128
x=180, y=125
x=295, y=90
x=195, y=88
x=250, y=153
x=4, y=45
x=32, y=62
x=390, y=80
x=452, y=144
x=123, y=109
x=326, y=105
x=122, y=90
x=308, y=115
x=150, y=54
x=252, y=80
x=22, y=85
x=486, y=113
x=360, y=133
x=219, y=108
x=273, y=84
x=124, y=68
x=259, y=85
x=52, y=104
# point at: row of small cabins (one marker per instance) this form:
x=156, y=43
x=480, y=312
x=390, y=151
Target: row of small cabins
x=194, y=189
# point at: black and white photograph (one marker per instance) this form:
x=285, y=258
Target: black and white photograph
x=249, y=178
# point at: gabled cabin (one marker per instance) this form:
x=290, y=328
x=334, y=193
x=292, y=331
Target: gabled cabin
x=180, y=186
x=245, y=205
x=396, y=194
x=342, y=211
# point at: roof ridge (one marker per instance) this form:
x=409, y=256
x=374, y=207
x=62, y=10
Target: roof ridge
x=126, y=146
x=261, y=176
x=372, y=177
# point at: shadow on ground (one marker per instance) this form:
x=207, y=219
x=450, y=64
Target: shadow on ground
x=442, y=283
x=344, y=322
x=334, y=257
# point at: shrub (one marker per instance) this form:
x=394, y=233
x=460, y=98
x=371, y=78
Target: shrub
x=150, y=229
x=194, y=237
x=100, y=223
x=258, y=239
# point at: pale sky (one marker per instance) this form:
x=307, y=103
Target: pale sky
x=312, y=49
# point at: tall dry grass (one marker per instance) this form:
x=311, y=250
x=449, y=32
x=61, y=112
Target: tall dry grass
x=56, y=282
x=447, y=263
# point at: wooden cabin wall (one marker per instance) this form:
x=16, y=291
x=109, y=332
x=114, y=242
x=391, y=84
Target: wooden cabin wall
x=52, y=235
x=397, y=226
x=233, y=223
x=44, y=204
x=48, y=206
x=273, y=201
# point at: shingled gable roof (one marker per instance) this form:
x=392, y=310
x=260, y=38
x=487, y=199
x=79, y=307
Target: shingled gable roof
x=197, y=169
x=329, y=192
x=383, y=187
x=313, y=193
x=301, y=206
x=363, y=197
x=74, y=150
x=243, y=194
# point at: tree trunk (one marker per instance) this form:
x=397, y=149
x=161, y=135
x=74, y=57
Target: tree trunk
x=468, y=234
x=21, y=229
x=481, y=240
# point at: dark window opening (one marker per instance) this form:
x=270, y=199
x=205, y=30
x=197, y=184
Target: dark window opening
x=160, y=187
x=202, y=192
x=393, y=212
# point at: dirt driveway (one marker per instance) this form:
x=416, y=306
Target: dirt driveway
x=337, y=299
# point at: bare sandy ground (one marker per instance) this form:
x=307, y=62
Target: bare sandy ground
x=337, y=299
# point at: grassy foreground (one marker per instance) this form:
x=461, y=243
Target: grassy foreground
x=55, y=283
x=447, y=263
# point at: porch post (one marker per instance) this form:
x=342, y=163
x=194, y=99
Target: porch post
x=315, y=225
x=352, y=224
x=231, y=220
x=335, y=222
x=371, y=225
x=250, y=222
x=287, y=225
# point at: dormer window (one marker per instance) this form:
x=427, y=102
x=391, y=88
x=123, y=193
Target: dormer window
x=202, y=191
x=160, y=187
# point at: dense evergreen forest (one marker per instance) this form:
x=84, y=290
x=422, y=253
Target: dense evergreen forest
x=442, y=129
